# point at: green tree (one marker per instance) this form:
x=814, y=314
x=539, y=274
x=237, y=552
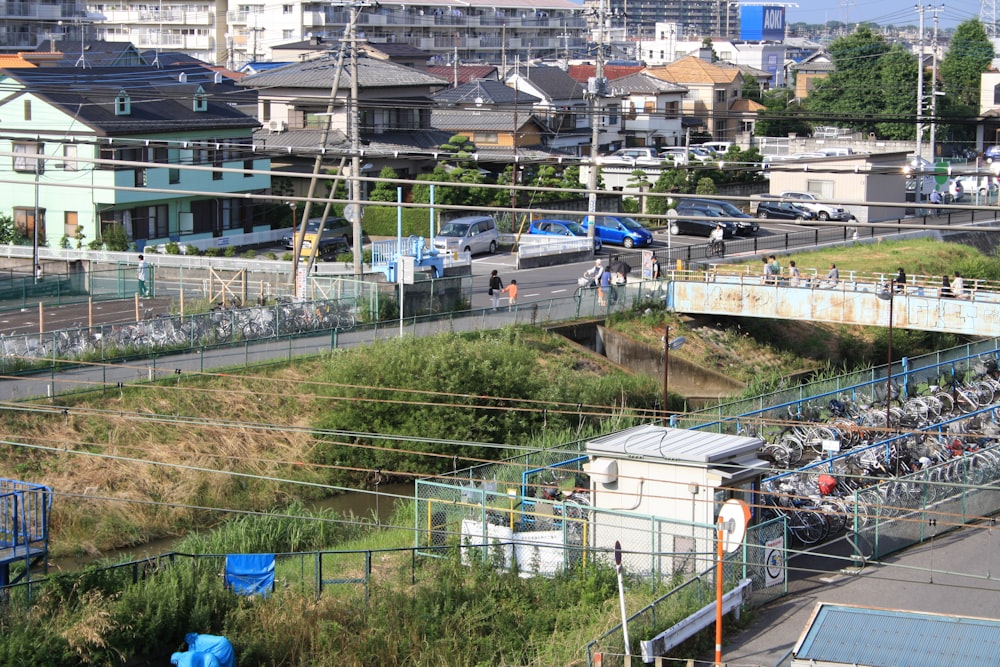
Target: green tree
x=969, y=55
x=7, y=232
x=384, y=191
x=867, y=82
x=782, y=115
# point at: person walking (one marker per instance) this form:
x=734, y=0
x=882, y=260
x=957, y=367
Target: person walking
x=768, y=271
x=945, y=286
x=140, y=275
x=604, y=287
x=958, y=287
x=900, y=281
x=511, y=291
x=496, y=286
x=794, y=277
x=654, y=269
x=832, y=276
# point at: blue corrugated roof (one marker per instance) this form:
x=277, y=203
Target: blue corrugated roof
x=849, y=635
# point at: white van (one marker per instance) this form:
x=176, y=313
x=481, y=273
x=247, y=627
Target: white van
x=473, y=234
x=718, y=147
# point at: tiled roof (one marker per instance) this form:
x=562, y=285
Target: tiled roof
x=97, y=52
x=159, y=100
x=320, y=73
x=581, y=73
x=552, y=81
x=694, y=70
x=487, y=92
x=744, y=105
x=501, y=121
x=14, y=61
x=466, y=73
x=640, y=82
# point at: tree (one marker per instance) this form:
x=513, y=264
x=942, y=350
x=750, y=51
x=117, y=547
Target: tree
x=872, y=89
x=969, y=55
x=781, y=116
x=384, y=191
x=8, y=234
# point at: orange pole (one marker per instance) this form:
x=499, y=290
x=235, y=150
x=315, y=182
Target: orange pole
x=90, y=312
x=136, y=306
x=41, y=321
x=718, y=596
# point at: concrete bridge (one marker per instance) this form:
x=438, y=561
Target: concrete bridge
x=860, y=299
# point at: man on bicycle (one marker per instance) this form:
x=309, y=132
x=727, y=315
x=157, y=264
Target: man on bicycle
x=716, y=246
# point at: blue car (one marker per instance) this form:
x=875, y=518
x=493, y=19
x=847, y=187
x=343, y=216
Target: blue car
x=620, y=230
x=562, y=228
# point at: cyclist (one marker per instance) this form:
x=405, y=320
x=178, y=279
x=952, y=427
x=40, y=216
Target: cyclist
x=716, y=245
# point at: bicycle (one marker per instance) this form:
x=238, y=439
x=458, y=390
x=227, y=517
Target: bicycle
x=716, y=248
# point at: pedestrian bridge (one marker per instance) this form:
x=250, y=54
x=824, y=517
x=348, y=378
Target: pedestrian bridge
x=859, y=299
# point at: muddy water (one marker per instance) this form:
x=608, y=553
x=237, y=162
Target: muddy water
x=365, y=505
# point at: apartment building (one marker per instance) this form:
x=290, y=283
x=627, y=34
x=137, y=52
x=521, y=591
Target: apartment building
x=236, y=32
x=24, y=25
x=694, y=18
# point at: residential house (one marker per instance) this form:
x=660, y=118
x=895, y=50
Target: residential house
x=651, y=110
x=714, y=91
x=768, y=58
x=988, y=132
x=94, y=53
x=564, y=107
x=97, y=147
x=498, y=119
x=459, y=73
x=394, y=113
x=805, y=74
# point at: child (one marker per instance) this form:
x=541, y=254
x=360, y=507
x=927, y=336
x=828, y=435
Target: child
x=511, y=291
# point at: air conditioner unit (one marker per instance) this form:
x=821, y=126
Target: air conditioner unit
x=277, y=125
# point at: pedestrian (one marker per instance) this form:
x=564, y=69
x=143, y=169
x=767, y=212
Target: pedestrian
x=38, y=272
x=140, y=274
x=496, y=285
x=945, y=286
x=654, y=269
x=936, y=197
x=832, y=276
x=794, y=277
x=604, y=287
x=511, y=291
x=768, y=271
x=775, y=268
x=900, y=281
x=958, y=287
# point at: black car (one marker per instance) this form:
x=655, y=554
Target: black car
x=783, y=210
x=678, y=222
x=745, y=223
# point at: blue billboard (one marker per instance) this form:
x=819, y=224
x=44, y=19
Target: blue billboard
x=762, y=24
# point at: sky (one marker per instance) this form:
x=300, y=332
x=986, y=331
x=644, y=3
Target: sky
x=886, y=12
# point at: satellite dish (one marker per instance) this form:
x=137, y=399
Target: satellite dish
x=733, y=519
x=479, y=101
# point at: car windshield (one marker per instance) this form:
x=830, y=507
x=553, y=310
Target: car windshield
x=454, y=229
x=631, y=224
x=575, y=229
x=731, y=210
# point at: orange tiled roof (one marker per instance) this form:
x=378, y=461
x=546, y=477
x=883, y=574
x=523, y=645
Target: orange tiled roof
x=746, y=105
x=693, y=70
x=581, y=73
x=15, y=61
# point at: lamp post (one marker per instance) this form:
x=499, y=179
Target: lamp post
x=887, y=295
x=668, y=345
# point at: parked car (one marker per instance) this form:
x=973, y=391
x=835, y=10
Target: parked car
x=682, y=155
x=620, y=230
x=992, y=153
x=718, y=147
x=632, y=156
x=783, y=210
x=473, y=234
x=978, y=185
x=679, y=222
x=810, y=201
x=336, y=235
x=746, y=225
x=562, y=228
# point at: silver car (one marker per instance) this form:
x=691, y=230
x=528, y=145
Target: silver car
x=823, y=211
x=473, y=234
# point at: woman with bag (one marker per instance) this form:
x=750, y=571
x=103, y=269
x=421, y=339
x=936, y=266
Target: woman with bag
x=496, y=285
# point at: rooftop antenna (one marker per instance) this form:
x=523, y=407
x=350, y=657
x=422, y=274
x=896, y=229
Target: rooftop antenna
x=159, y=35
x=82, y=60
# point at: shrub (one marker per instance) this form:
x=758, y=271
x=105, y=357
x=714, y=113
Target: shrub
x=173, y=248
x=230, y=251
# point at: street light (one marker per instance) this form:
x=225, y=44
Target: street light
x=668, y=345
x=887, y=295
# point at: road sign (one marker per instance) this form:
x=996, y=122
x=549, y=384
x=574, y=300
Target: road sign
x=941, y=173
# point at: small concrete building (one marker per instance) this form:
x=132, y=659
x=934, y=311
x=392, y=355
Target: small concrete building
x=839, y=635
x=676, y=474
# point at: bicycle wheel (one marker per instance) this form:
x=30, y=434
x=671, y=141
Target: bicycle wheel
x=965, y=401
x=808, y=526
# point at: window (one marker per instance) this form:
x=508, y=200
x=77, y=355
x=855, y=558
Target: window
x=720, y=96
x=996, y=93
x=24, y=164
x=69, y=157
x=649, y=106
x=200, y=100
x=822, y=189
x=613, y=114
x=671, y=110
x=247, y=168
x=123, y=104
x=27, y=110
x=487, y=138
x=24, y=222
x=71, y=224
x=287, y=34
x=287, y=9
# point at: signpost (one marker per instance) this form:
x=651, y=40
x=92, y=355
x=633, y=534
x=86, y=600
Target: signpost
x=621, y=595
x=732, y=528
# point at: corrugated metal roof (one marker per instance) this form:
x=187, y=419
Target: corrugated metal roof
x=850, y=635
x=673, y=444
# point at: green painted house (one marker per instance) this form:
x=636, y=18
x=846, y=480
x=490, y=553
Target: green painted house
x=163, y=153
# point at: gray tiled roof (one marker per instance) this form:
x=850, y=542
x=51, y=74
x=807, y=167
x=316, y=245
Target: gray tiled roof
x=644, y=83
x=500, y=120
x=488, y=92
x=552, y=81
x=159, y=100
x=320, y=73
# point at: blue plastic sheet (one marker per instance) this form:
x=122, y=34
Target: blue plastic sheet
x=211, y=650
x=250, y=574
x=194, y=659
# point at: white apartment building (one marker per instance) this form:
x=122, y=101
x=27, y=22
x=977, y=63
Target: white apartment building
x=24, y=25
x=235, y=32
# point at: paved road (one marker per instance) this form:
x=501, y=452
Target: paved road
x=955, y=573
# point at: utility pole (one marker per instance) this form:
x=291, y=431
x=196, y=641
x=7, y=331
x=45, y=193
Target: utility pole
x=354, y=211
x=934, y=90
x=920, y=110
x=595, y=91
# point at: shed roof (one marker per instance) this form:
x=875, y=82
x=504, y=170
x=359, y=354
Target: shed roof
x=854, y=635
x=650, y=441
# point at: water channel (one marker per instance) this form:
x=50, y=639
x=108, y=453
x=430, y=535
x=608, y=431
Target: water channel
x=368, y=506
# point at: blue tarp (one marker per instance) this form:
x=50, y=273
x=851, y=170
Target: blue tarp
x=250, y=574
x=205, y=651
